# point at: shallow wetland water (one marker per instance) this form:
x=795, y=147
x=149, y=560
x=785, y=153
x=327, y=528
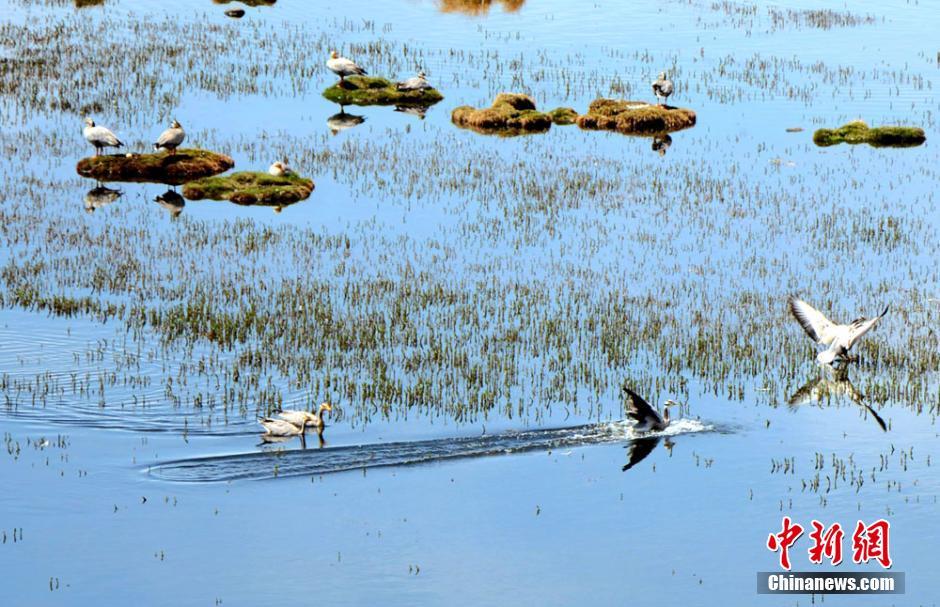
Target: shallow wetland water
x=470, y=304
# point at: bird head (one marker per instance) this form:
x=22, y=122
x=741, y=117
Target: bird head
x=325, y=407
x=89, y=122
x=175, y=124
x=334, y=55
x=421, y=75
x=662, y=75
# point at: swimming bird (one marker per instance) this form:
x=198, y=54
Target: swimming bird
x=342, y=67
x=839, y=338
x=281, y=427
x=662, y=88
x=99, y=136
x=308, y=419
x=833, y=383
x=646, y=417
x=418, y=83
x=280, y=169
x=171, y=138
x=100, y=196
x=341, y=121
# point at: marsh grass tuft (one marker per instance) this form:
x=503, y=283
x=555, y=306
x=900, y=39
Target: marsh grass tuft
x=858, y=131
x=176, y=168
x=635, y=117
x=369, y=90
x=510, y=114
x=251, y=188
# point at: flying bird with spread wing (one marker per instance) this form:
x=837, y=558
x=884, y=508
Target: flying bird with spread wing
x=839, y=338
x=646, y=417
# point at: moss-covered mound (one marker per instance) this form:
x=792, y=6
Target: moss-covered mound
x=251, y=188
x=510, y=114
x=879, y=137
x=172, y=168
x=563, y=116
x=368, y=90
x=635, y=117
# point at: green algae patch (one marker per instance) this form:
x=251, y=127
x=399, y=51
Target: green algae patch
x=563, y=116
x=857, y=132
x=251, y=188
x=510, y=114
x=369, y=90
x=172, y=168
x=635, y=117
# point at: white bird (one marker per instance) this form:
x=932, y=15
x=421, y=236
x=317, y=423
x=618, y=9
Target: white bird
x=662, y=88
x=839, y=338
x=308, y=419
x=281, y=427
x=646, y=417
x=418, y=83
x=99, y=136
x=171, y=138
x=280, y=169
x=343, y=67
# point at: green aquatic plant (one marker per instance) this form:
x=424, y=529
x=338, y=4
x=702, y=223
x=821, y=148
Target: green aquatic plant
x=251, y=188
x=174, y=168
x=635, y=117
x=371, y=90
x=858, y=131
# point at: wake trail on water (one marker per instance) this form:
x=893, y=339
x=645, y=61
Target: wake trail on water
x=270, y=464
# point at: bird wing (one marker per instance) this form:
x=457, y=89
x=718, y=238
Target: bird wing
x=170, y=136
x=638, y=409
x=816, y=325
x=878, y=420
x=861, y=326
x=348, y=66
x=103, y=135
x=295, y=417
x=639, y=449
x=807, y=393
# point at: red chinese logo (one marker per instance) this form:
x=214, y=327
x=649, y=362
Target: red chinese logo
x=828, y=544
x=871, y=542
x=868, y=542
x=783, y=540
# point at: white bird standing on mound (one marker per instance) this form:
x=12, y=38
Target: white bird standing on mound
x=171, y=138
x=99, y=136
x=839, y=338
x=342, y=67
x=662, y=88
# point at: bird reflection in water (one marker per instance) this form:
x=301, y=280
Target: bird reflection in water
x=833, y=383
x=100, y=196
x=640, y=448
x=413, y=110
x=172, y=202
x=661, y=143
x=341, y=121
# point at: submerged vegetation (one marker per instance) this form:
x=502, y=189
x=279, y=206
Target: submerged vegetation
x=371, y=90
x=251, y=188
x=880, y=137
x=511, y=114
x=177, y=167
x=635, y=117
